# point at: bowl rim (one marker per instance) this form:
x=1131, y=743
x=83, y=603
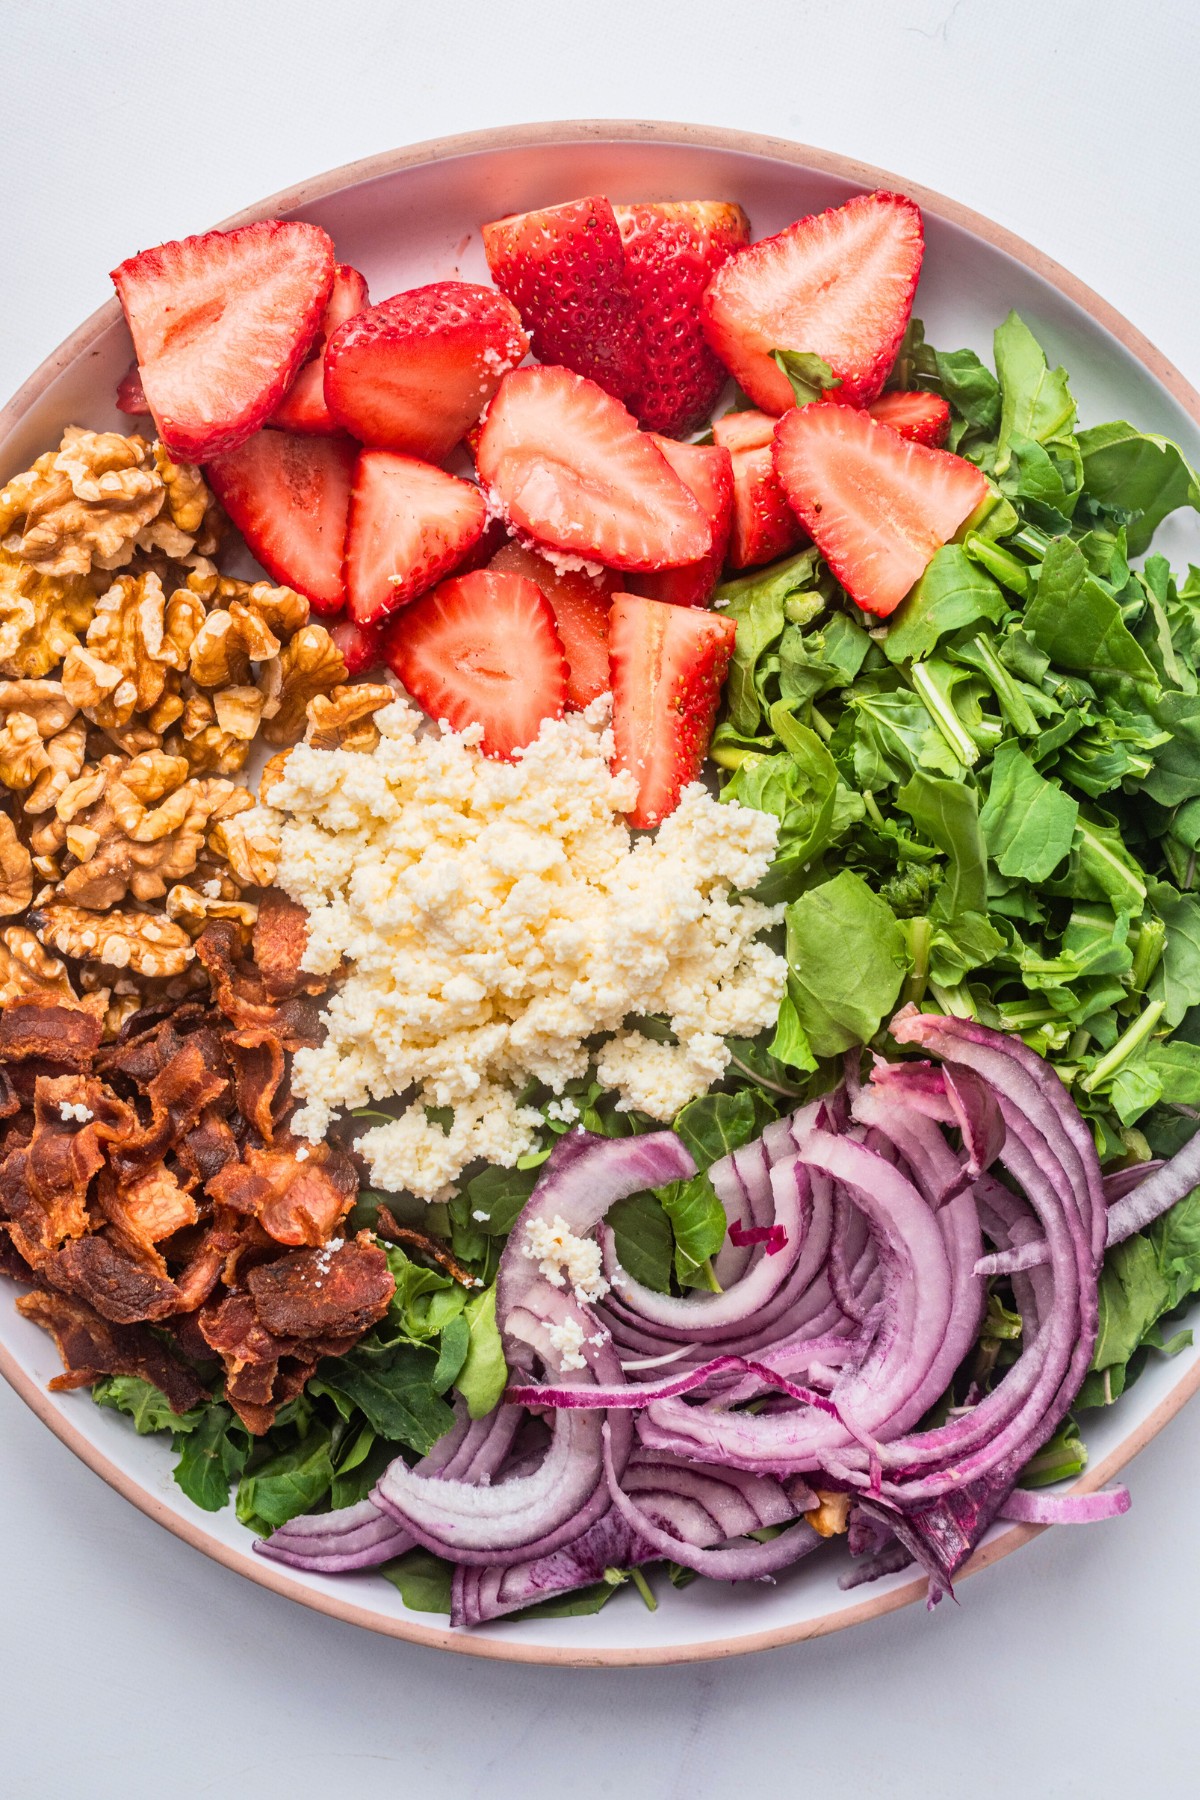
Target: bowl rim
x=305, y=193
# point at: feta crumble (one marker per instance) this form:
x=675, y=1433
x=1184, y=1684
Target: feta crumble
x=567, y=1340
x=74, y=1111
x=495, y=917
x=562, y=1257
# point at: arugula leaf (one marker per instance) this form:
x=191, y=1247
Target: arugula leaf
x=500, y=1194
x=1141, y=474
x=846, y=962
x=810, y=375
x=645, y=1244
x=1036, y=401
x=954, y=591
x=799, y=788
x=483, y=1373
x=756, y=603
x=947, y=812
x=453, y=1345
x=1077, y=623
x=423, y=1580
x=212, y=1457
x=1028, y=822
x=1177, y=980
x=287, y=1484
x=426, y=1301
x=392, y=1386
x=971, y=388
x=146, y=1405
x=710, y=1127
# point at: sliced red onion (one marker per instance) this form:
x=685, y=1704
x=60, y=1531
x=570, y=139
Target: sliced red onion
x=1157, y=1194
x=1032, y=1508
x=622, y=1394
x=1119, y=1182
x=354, y=1537
x=773, y=1237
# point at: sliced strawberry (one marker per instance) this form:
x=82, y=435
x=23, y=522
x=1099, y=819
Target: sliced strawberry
x=289, y=498
x=410, y=524
x=672, y=252
x=361, y=647
x=923, y=418
x=668, y=663
x=580, y=604
x=571, y=469
x=708, y=472
x=303, y=407
x=220, y=325
x=877, y=505
x=764, y=525
x=839, y=284
x=483, y=650
x=131, y=396
x=413, y=373
x=564, y=270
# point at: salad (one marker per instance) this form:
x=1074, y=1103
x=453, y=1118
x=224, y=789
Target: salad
x=690, y=1051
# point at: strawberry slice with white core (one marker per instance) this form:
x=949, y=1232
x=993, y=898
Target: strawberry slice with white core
x=672, y=251
x=877, y=506
x=414, y=373
x=410, y=524
x=289, y=497
x=708, y=472
x=839, y=284
x=764, y=526
x=361, y=647
x=668, y=664
x=303, y=407
x=570, y=469
x=580, y=604
x=563, y=267
x=221, y=324
x=483, y=649
x=923, y=418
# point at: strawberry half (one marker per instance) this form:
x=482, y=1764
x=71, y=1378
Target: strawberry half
x=483, y=650
x=571, y=469
x=410, y=524
x=131, y=397
x=707, y=470
x=221, y=324
x=580, y=604
x=668, y=663
x=413, y=373
x=877, y=506
x=672, y=251
x=839, y=284
x=564, y=270
x=920, y=417
x=764, y=525
x=303, y=407
x=361, y=647
x=289, y=497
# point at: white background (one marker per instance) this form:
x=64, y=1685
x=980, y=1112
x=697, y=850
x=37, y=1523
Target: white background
x=131, y=1666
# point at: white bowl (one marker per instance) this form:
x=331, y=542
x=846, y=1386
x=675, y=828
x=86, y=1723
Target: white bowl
x=412, y=216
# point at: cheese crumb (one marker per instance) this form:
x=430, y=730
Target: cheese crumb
x=567, y=1339
x=562, y=1257
x=75, y=1111
x=495, y=917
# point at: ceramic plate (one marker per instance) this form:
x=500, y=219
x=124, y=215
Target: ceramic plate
x=412, y=216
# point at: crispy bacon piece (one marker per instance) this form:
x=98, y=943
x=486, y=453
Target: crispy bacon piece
x=92, y=1347
x=259, y=1069
x=146, y=1210
x=242, y=996
x=208, y=1147
x=298, y=1192
x=193, y=1079
x=433, y=1248
x=278, y=946
x=29, y=1027
x=322, y=1293
x=100, y=1272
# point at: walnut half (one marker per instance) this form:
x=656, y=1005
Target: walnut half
x=144, y=943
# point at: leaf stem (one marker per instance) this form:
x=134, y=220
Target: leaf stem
x=644, y=1589
x=1125, y=1046
x=1151, y=942
x=1011, y=701
x=919, y=933
x=944, y=716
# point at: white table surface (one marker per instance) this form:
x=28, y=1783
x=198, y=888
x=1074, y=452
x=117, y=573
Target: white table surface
x=129, y=1664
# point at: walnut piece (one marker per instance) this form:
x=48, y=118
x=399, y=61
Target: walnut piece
x=22, y=754
x=138, y=643
x=41, y=616
x=16, y=870
x=65, y=755
x=208, y=749
x=43, y=701
x=143, y=831
x=227, y=643
x=144, y=943
x=344, y=719
x=187, y=498
x=272, y=772
x=249, y=843
x=26, y=968
x=194, y=907
x=310, y=664
x=84, y=504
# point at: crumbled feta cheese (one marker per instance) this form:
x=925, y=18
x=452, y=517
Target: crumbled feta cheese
x=479, y=1214
x=74, y=1111
x=562, y=1257
x=211, y=889
x=302, y=1153
x=567, y=1339
x=496, y=916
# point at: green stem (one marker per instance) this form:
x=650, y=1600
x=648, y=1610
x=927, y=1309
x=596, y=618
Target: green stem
x=1011, y=701
x=731, y=756
x=919, y=933
x=955, y=1001
x=1151, y=941
x=1125, y=1046
x=1008, y=570
x=821, y=725
x=710, y=1279
x=944, y=716
x=872, y=806
x=644, y=1589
